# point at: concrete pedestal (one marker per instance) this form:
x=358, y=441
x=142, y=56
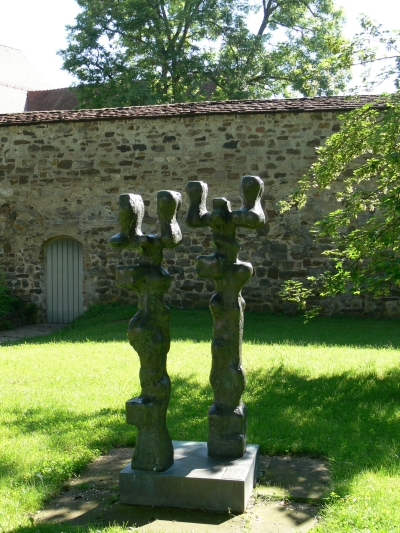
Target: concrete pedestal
x=194, y=481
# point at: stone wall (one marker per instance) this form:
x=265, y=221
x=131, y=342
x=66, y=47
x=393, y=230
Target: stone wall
x=62, y=178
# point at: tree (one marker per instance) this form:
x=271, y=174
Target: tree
x=135, y=52
x=365, y=229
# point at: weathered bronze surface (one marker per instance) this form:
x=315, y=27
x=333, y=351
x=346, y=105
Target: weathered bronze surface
x=148, y=330
x=227, y=415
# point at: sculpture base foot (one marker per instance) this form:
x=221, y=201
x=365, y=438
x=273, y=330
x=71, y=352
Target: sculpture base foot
x=227, y=432
x=153, y=450
x=195, y=481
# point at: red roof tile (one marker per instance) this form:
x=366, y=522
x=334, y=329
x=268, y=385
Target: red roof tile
x=331, y=103
x=49, y=100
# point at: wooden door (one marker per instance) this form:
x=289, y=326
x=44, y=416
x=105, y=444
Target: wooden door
x=64, y=280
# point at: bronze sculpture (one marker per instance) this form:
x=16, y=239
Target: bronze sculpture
x=148, y=330
x=227, y=415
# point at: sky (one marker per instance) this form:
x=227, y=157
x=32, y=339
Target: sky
x=37, y=27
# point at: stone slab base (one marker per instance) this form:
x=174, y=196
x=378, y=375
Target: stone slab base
x=194, y=481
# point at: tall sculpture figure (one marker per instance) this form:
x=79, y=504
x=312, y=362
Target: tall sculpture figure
x=227, y=415
x=148, y=330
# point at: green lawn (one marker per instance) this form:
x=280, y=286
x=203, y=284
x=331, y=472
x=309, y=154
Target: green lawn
x=329, y=388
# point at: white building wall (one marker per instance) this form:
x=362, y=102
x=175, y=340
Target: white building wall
x=12, y=100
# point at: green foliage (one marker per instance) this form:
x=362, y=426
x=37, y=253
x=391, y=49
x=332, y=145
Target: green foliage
x=13, y=311
x=100, y=311
x=134, y=52
x=366, y=227
x=8, y=302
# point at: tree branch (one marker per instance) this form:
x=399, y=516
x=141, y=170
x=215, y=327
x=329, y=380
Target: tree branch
x=268, y=10
x=376, y=59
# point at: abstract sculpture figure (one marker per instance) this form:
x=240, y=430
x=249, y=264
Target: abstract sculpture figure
x=148, y=330
x=227, y=415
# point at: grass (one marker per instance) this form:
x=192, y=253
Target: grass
x=329, y=388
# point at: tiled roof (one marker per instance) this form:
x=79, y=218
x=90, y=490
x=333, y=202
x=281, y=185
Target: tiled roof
x=59, y=99
x=332, y=103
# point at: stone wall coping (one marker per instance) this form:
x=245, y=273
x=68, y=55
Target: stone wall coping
x=288, y=105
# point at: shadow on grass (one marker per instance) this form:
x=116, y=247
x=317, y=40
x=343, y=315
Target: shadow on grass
x=352, y=415
x=54, y=528
x=79, y=437
x=329, y=331
x=196, y=326
x=350, y=419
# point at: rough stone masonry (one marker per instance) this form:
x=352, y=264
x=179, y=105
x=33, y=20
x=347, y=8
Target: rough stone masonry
x=61, y=174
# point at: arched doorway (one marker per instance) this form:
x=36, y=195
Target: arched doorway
x=64, y=280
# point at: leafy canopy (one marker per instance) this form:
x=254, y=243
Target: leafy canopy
x=135, y=52
x=366, y=227
x=363, y=161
